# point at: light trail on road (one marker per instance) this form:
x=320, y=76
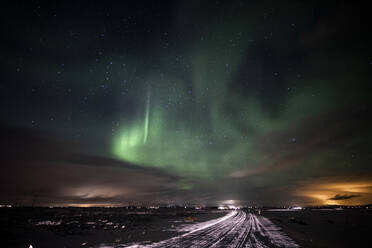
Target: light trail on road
x=237, y=229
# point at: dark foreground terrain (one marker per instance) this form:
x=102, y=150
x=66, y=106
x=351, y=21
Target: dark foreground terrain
x=176, y=227
x=87, y=227
x=325, y=227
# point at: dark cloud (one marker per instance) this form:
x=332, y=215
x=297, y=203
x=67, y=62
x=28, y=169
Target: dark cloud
x=343, y=197
x=38, y=165
x=338, y=133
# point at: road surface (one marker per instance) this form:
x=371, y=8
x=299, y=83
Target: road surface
x=236, y=229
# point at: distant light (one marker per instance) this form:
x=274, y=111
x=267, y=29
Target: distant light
x=297, y=208
x=30, y=246
x=6, y=206
x=153, y=207
x=230, y=207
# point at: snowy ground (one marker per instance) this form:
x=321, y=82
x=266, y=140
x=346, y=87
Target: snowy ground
x=236, y=229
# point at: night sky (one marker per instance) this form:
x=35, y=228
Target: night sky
x=185, y=102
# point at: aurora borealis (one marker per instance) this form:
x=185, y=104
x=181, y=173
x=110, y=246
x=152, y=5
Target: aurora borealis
x=187, y=102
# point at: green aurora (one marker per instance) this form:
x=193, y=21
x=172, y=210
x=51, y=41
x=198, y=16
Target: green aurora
x=204, y=124
x=215, y=128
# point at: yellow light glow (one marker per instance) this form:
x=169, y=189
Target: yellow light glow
x=95, y=191
x=326, y=191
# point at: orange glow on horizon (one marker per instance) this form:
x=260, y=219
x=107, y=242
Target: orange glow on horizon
x=336, y=192
x=89, y=205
